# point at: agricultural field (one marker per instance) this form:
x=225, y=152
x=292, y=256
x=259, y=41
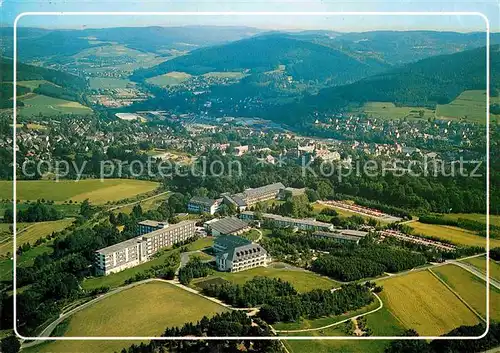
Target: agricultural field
x=146, y=205
x=302, y=280
x=494, y=219
x=37, y=104
x=108, y=83
x=453, y=234
x=386, y=110
x=143, y=310
x=226, y=74
x=33, y=84
x=169, y=79
x=26, y=259
x=469, y=104
x=480, y=264
x=421, y=302
x=382, y=323
x=32, y=232
x=93, y=189
x=471, y=288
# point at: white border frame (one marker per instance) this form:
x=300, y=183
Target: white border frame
x=253, y=13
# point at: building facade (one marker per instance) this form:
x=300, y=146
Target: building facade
x=135, y=251
x=203, y=205
x=149, y=226
x=250, y=197
x=234, y=254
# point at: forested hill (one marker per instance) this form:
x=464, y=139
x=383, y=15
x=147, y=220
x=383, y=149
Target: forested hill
x=302, y=59
x=65, y=85
x=431, y=81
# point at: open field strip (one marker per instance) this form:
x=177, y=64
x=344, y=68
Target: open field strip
x=147, y=204
x=97, y=191
x=35, y=104
x=382, y=323
x=169, y=79
x=480, y=264
x=389, y=110
x=35, y=231
x=494, y=219
x=302, y=280
x=143, y=309
x=470, y=104
x=421, y=302
x=471, y=288
x=454, y=234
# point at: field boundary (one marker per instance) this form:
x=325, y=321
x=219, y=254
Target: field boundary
x=457, y=295
x=381, y=305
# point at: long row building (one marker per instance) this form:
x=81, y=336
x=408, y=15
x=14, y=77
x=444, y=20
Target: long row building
x=132, y=252
x=287, y=222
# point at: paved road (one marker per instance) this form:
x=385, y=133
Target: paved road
x=381, y=305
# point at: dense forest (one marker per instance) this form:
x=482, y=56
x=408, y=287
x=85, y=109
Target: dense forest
x=430, y=81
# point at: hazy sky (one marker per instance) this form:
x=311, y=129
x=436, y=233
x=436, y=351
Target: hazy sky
x=11, y=8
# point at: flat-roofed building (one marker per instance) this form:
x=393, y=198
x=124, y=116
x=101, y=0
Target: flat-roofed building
x=234, y=254
x=226, y=226
x=288, y=222
x=149, y=226
x=342, y=235
x=250, y=197
x=199, y=204
x=132, y=252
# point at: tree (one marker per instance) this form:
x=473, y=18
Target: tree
x=137, y=211
x=86, y=210
x=408, y=346
x=10, y=344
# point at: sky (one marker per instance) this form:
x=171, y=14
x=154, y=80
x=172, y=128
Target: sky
x=357, y=23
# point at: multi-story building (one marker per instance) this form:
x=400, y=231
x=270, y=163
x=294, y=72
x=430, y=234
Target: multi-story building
x=203, y=205
x=288, y=222
x=235, y=254
x=149, y=226
x=132, y=252
x=342, y=235
x=250, y=197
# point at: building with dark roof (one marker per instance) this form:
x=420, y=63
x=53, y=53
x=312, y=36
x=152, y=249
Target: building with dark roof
x=288, y=222
x=199, y=204
x=342, y=235
x=226, y=226
x=149, y=226
x=250, y=197
x=235, y=254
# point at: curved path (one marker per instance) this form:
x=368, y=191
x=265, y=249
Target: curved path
x=381, y=305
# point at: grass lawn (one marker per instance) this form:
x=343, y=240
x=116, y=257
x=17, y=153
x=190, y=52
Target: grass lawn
x=470, y=104
x=108, y=83
x=147, y=205
x=169, y=79
x=93, y=189
x=453, y=234
x=390, y=111
x=382, y=323
x=201, y=243
x=471, y=288
x=303, y=281
x=144, y=310
x=40, y=104
x=26, y=259
x=32, y=84
x=251, y=235
x=421, y=302
x=34, y=231
x=494, y=219
x=480, y=264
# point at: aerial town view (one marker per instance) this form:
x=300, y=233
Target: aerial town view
x=249, y=182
